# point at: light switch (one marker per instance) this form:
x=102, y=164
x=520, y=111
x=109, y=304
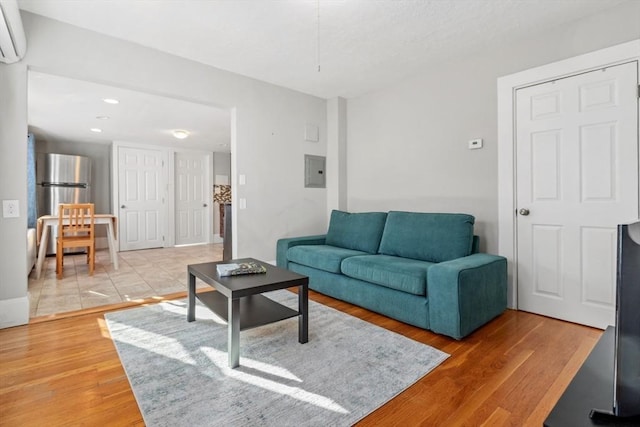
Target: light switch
x=242, y=179
x=243, y=203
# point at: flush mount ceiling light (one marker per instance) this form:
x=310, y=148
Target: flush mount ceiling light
x=180, y=134
x=103, y=117
x=111, y=101
x=96, y=130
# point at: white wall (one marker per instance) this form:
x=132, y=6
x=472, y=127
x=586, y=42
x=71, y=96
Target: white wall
x=221, y=166
x=407, y=144
x=336, y=155
x=267, y=141
x=14, y=304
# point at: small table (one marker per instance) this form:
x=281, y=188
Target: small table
x=237, y=299
x=47, y=221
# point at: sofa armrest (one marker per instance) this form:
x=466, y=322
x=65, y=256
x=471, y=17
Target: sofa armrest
x=466, y=293
x=283, y=246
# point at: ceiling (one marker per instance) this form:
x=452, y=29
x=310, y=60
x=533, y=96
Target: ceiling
x=363, y=44
x=67, y=109
x=326, y=48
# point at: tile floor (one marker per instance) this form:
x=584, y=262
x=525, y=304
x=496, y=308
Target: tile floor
x=141, y=274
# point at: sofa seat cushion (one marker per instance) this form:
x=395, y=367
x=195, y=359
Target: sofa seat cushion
x=402, y=274
x=433, y=237
x=357, y=231
x=322, y=257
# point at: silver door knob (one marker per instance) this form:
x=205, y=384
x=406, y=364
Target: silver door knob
x=523, y=212
x=122, y=207
x=204, y=205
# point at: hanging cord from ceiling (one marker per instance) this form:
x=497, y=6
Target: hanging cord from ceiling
x=318, y=34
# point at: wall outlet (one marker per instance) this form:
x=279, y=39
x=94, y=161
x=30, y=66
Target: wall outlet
x=474, y=144
x=10, y=209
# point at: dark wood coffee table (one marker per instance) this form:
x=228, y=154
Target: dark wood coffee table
x=237, y=300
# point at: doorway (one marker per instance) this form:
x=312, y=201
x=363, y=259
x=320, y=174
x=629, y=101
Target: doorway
x=63, y=113
x=576, y=179
x=573, y=176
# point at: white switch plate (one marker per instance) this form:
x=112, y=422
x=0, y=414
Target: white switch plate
x=474, y=144
x=10, y=209
x=243, y=203
x=242, y=179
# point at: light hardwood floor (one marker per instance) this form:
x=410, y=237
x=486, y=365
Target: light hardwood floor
x=509, y=373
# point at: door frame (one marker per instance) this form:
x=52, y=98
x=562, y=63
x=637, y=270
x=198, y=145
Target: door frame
x=507, y=86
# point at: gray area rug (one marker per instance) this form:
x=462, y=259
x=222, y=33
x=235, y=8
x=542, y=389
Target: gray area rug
x=178, y=370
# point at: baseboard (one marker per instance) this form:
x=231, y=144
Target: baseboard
x=14, y=312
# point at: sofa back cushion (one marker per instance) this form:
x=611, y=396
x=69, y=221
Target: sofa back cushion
x=434, y=237
x=357, y=231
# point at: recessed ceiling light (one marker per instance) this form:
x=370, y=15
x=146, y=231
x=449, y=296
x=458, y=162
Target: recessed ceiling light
x=96, y=130
x=180, y=134
x=111, y=101
x=103, y=117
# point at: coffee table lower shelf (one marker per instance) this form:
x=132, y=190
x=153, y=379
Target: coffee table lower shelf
x=255, y=310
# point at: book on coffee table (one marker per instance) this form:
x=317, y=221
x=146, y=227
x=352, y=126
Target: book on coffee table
x=235, y=269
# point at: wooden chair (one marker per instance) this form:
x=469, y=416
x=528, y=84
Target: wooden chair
x=76, y=229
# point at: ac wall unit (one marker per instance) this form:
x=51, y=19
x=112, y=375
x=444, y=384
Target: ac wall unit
x=13, y=43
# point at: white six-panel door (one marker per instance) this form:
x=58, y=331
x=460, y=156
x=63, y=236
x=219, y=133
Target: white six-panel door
x=577, y=178
x=141, y=198
x=192, y=196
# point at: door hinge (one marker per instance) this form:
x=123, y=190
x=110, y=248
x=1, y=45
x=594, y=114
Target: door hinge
x=163, y=238
x=638, y=91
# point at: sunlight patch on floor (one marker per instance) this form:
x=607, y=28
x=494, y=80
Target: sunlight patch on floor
x=220, y=359
x=156, y=343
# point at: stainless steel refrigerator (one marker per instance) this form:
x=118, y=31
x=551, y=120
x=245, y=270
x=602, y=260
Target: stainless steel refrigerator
x=61, y=178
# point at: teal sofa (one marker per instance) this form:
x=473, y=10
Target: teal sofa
x=423, y=269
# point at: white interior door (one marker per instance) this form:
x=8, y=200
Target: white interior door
x=192, y=198
x=577, y=176
x=141, y=198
